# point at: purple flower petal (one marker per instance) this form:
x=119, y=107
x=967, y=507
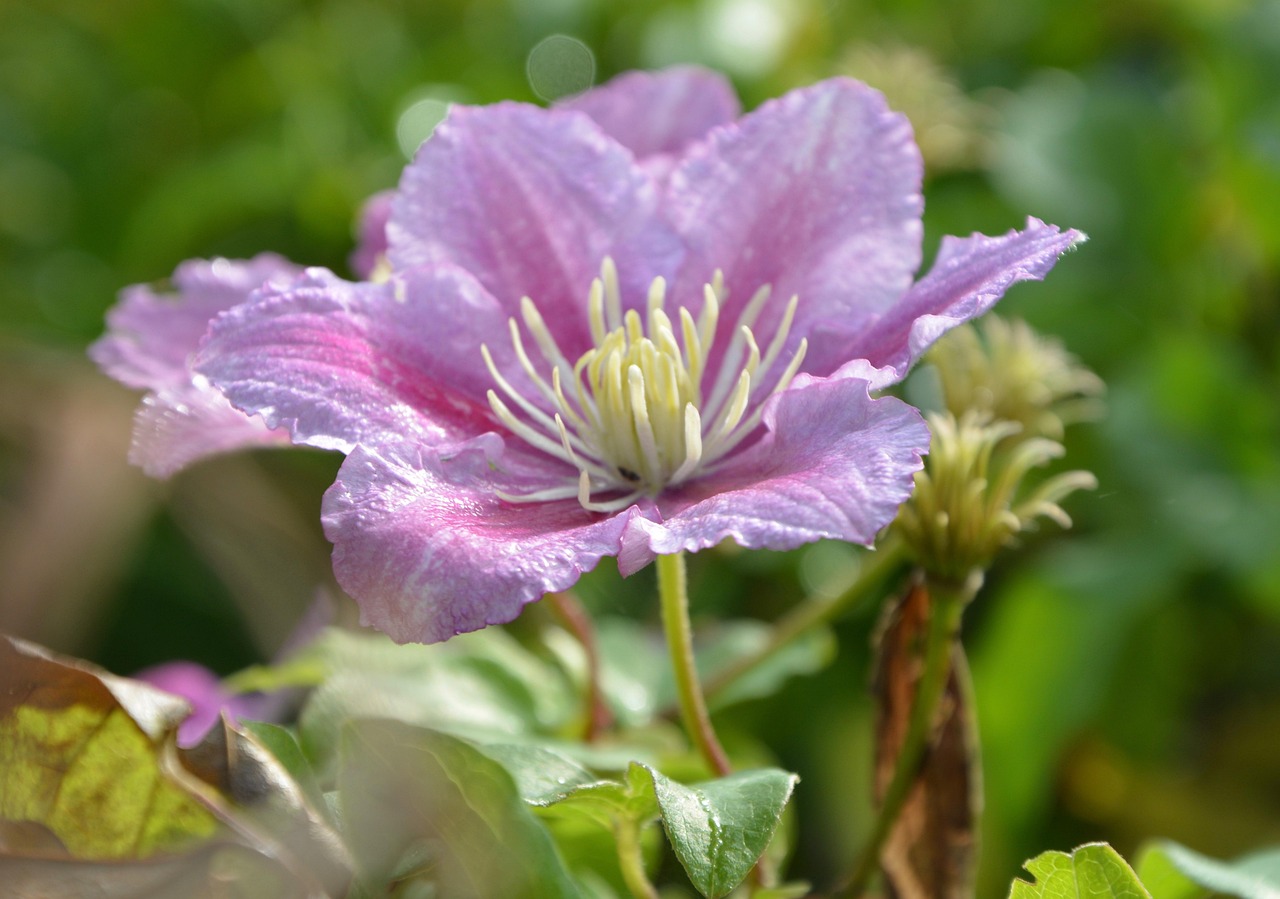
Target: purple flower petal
x=530, y=201
x=659, y=114
x=816, y=193
x=150, y=339
x=968, y=277
x=371, y=241
x=202, y=688
x=429, y=551
x=178, y=426
x=151, y=334
x=834, y=463
x=339, y=363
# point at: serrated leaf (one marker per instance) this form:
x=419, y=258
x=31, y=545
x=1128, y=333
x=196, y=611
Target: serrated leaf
x=720, y=828
x=1172, y=871
x=422, y=807
x=1094, y=870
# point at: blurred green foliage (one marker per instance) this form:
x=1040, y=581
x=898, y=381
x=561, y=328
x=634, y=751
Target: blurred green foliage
x=1127, y=676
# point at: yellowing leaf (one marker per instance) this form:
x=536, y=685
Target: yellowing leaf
x=83, y=755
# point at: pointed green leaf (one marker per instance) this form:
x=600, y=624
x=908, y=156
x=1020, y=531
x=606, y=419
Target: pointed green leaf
x=421, y=807
x=1172, y=871
x=720, y=828
x=1094, y=870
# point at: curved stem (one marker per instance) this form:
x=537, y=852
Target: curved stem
x=673, y=591
x=814, y=611
x=631, y=859
x=948, y=602
x=577, y=621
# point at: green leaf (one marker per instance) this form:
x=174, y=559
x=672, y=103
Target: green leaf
x=636, y=675
x=1172, y=871
x=1094, y=870
x=424, y=808
x=542, y=775
x=480, y=685
x=807, y=654
x=720, y=828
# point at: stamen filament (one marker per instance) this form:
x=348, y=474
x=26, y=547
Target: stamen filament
x=644, y=429
x=733, y=353
x=529, y=408
x=628, y=416
x=612, y=296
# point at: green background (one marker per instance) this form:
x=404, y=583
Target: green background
x=1127, y=675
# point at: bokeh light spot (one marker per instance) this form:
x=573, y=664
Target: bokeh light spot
x=560, y=66
x=418, y=122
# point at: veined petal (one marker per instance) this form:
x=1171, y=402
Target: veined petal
x=176, y=426
x=816, y=193
x=531, y=201
x=428, y=550
x=339, y=363
x=968, y=277
x=833, y=463
x=152, y=332
x=659, y=113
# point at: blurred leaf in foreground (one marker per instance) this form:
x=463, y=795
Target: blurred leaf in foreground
x=1172, y=871
x=97, y=800
x=426, y=810
x=88, y=756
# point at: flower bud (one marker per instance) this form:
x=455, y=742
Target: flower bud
x=969, y=500
x=1008, y=372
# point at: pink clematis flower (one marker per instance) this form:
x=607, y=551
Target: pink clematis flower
x=632, y=325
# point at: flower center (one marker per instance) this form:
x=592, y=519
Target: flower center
x=631, y=414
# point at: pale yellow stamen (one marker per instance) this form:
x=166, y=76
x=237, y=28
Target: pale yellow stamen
x=630, y=415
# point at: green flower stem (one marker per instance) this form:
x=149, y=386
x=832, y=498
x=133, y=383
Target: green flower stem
x=577, y=621
x=631, y=859
x=948, y=601
x=814, y=612
x=673, y=591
